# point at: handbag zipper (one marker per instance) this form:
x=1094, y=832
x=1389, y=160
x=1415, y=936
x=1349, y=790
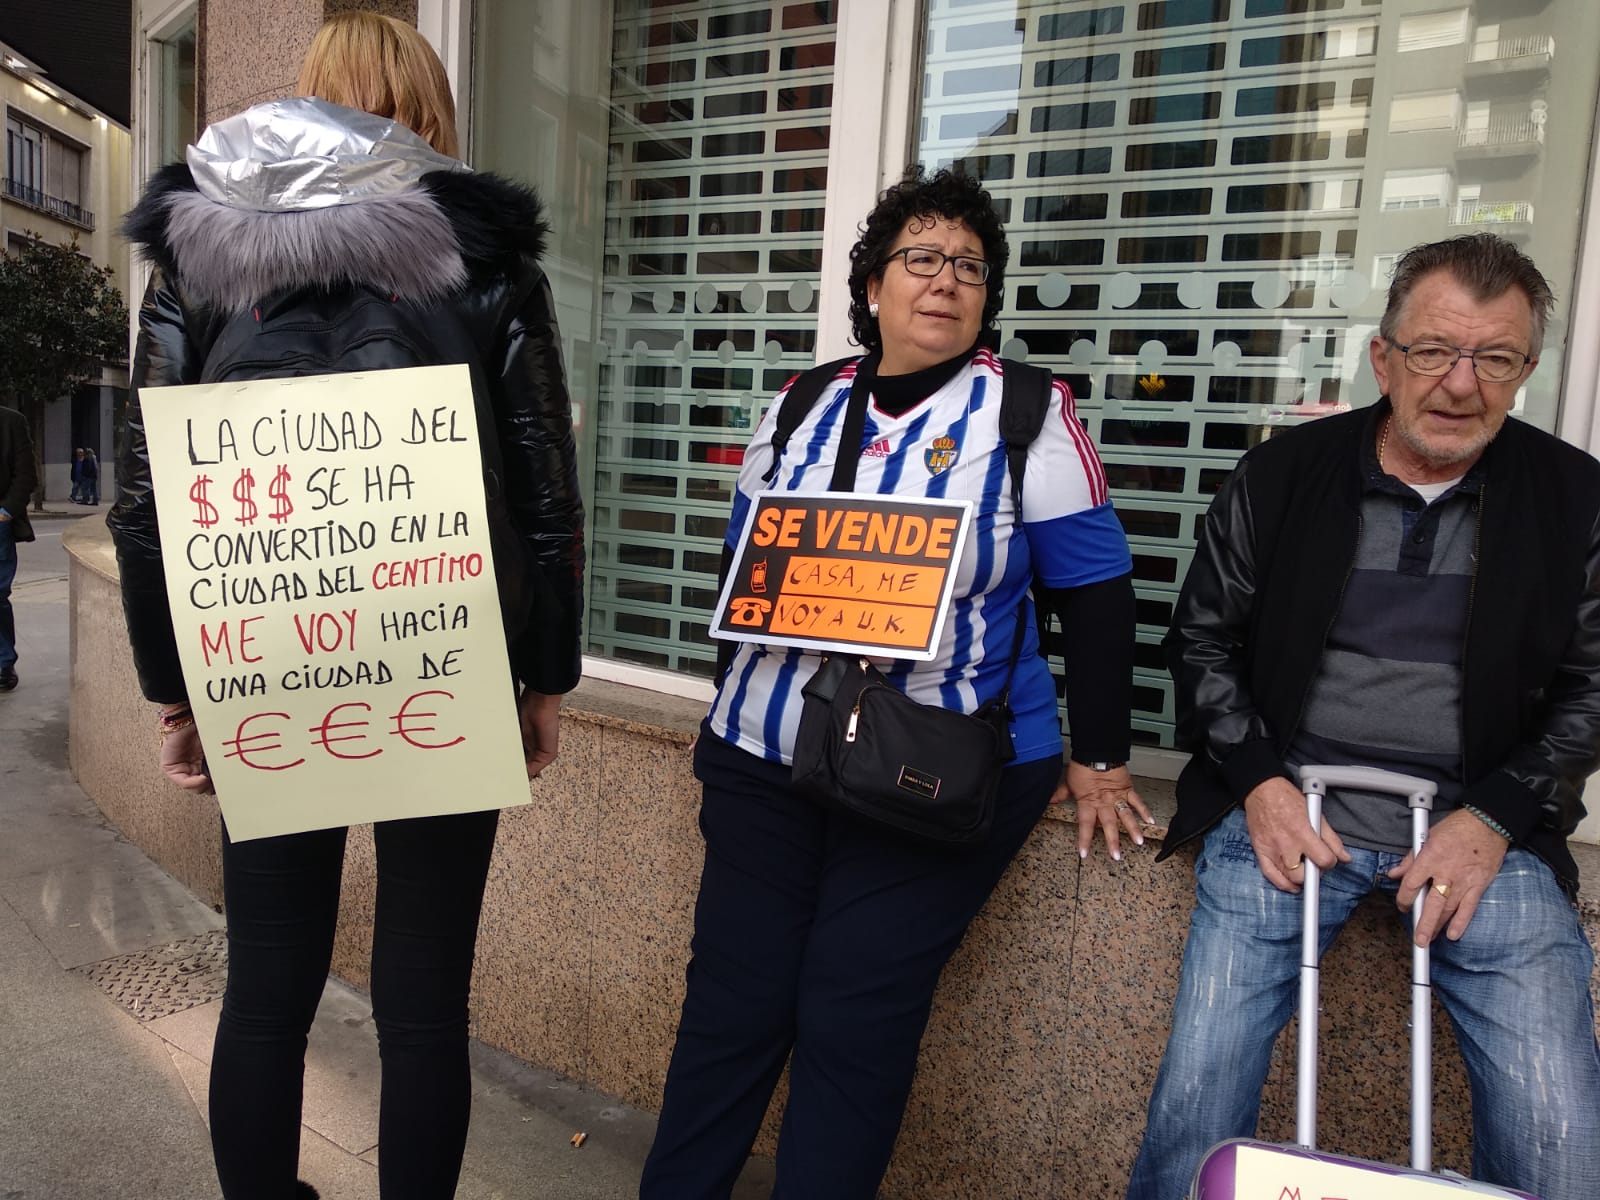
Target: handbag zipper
x=855, y=713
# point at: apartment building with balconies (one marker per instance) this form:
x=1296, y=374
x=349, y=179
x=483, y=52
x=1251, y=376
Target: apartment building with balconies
x=67, y=179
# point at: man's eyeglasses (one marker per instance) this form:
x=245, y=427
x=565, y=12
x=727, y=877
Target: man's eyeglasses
x=973, y=271
x=1491, y=366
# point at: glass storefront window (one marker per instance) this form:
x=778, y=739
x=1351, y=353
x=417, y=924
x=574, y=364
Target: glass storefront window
x=686, y=185
x=1205, y=198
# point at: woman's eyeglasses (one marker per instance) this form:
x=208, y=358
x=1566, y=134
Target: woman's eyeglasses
x=968, y=270
x=1491, y=366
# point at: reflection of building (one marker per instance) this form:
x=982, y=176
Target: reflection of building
x=1206, y=197
x=66, y=180
x=1471, y=108
x=1203, y=198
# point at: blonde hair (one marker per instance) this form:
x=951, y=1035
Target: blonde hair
x=385, y=67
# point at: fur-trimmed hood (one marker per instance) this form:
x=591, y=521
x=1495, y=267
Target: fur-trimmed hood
x=338, y=202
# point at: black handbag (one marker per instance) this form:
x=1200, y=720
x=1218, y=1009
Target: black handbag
x=867, y=749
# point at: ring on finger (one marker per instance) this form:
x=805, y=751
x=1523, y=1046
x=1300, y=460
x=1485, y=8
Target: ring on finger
x=1443, y=889
x=1294, y=866
x=1122, y=806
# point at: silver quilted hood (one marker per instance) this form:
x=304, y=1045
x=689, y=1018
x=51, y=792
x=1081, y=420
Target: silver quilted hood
x=305, y=153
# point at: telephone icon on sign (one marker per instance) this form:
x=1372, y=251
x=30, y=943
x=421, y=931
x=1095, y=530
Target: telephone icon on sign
x=758, y=575
x=747, y=610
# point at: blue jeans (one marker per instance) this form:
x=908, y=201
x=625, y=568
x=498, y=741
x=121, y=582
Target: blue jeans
x=1516, y=988
x=8, y=574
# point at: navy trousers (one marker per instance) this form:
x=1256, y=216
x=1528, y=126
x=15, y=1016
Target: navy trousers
x=282, y=896
x=817, y=939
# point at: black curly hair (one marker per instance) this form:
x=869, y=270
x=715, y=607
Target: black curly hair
x=946, y=194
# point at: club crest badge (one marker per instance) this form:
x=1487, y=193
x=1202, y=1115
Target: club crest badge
x=941, y=456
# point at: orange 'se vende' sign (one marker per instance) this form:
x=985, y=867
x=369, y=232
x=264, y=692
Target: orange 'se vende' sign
x=844, y=571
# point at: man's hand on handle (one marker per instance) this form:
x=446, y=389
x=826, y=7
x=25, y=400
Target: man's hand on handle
x=1457, y=864
x=1282, y=837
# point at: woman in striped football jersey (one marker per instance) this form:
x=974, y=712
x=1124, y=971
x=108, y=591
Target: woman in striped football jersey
x=819, y=939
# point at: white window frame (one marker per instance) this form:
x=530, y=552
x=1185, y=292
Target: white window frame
x=870, y=75
x=154, y=21
x=447, y=24
x=1578, y=421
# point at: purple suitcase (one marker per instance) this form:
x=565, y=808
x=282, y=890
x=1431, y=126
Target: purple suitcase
x=1244, y=1169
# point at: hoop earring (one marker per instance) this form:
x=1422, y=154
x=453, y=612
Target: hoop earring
x=872, y=310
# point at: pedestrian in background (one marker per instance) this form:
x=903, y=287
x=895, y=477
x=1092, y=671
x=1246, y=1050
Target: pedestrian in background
x=90, y=491
x=348, y=201
x=17, y=480
x=77, y=475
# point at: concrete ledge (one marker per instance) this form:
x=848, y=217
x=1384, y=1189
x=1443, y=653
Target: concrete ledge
x=1049, y=1022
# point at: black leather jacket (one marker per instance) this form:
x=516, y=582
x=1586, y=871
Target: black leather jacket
x=1265, y=586
x=17, y=477
x=448, y=239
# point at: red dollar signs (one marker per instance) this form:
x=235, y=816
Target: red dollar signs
x=278, y=489
x=242, y=490
x=208, y=511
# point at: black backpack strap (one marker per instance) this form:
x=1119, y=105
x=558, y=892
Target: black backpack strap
x=802, y=394
x=1024, y=403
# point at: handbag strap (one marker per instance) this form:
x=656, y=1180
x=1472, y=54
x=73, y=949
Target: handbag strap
x=1025, y=396
x=848, y=456
x=1018, y=433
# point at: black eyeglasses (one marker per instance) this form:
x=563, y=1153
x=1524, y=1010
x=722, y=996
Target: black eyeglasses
x=1491, y=366
x=968, y=270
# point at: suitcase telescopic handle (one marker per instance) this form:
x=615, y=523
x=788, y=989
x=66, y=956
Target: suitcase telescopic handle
x=1315, y=780
x=1370, y=779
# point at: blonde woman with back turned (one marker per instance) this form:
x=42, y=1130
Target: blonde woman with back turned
x=349, y=195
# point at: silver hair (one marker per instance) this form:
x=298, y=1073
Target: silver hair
x=1486, y=265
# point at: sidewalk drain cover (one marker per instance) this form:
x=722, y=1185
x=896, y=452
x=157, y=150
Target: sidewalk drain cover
x=165, y=979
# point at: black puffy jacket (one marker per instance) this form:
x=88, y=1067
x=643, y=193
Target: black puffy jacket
x=456, y=240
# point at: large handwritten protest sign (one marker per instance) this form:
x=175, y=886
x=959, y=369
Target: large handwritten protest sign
x=333, y=597
x=844, y=571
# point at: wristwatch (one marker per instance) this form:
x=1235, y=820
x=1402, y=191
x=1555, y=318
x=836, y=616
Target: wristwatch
x=1104, y=766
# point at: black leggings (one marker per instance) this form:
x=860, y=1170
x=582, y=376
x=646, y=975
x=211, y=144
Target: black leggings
x=282, y=896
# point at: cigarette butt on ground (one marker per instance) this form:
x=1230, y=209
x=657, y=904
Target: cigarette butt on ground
x=578, y=1139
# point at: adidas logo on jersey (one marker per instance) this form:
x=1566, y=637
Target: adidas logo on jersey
x=878, y=449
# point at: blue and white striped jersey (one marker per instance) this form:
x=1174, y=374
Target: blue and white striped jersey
x=948, y=446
